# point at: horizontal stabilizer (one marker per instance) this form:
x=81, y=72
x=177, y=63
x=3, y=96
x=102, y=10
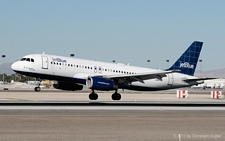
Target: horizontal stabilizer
x=198, y=79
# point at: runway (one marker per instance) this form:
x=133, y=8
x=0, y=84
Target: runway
x=128, y=97
x=138, y=116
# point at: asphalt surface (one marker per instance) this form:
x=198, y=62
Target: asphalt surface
x=95, y=125
x=138, y=116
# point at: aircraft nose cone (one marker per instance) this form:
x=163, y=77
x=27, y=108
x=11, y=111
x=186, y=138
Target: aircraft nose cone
x=15, y=66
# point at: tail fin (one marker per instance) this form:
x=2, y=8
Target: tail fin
x=189, y=59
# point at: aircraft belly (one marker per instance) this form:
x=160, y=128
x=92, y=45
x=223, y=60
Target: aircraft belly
x=150, y=85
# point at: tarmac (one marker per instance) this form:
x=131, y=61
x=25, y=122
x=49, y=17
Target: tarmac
x=159, y=116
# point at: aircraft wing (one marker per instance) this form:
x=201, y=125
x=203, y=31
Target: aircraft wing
x=121, y=78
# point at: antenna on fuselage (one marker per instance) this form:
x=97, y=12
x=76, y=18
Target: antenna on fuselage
x=43, y=52
x=72, y=55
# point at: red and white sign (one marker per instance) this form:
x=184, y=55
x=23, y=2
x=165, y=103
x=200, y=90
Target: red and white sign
x=182, y=93
x=216, y=94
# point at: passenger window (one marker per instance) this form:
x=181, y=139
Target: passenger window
x=99, y=69
x=95, y=69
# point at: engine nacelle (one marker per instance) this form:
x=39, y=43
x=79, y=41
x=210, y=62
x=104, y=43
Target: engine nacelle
x=67, y=86
x=99, y=83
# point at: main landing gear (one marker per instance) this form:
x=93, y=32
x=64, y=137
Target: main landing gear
x=116, y=96
x=94, y=96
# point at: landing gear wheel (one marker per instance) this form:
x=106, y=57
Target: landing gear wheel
x=116, y=96
x=37, y=89
x=93, y=96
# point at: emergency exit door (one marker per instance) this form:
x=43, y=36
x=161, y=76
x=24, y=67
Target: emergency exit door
x=170, y=79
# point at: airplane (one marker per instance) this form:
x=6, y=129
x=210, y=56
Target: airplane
x=73, y=73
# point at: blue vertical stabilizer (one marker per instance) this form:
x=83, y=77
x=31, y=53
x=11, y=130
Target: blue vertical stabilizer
x=189, y=59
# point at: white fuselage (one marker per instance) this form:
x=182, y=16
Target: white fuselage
x=77, y=70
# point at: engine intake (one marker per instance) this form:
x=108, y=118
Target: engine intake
x=67, y=86
x=99, y=83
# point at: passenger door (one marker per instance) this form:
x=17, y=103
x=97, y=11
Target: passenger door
x=44, y=62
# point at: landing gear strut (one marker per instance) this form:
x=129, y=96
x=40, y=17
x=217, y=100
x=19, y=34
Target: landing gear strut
x=116, y=96
x=93, y=95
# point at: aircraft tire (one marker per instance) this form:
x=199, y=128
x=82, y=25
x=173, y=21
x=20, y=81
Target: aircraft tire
x=116, y=96
x=93, y=96
x=37, y=89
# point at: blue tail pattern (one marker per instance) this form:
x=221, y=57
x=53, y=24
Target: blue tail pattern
x=189, y=59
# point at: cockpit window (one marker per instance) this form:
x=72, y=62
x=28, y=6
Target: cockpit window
x=23, y=59
x=27, y=59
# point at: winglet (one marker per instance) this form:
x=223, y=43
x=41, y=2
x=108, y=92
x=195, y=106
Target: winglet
x=188, y=60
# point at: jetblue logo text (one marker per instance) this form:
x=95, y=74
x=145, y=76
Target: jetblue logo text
x=103, y=83
x=59, y=60
x=186, y=65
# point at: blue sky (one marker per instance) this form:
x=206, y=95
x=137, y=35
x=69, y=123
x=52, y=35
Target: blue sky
x=128, y=31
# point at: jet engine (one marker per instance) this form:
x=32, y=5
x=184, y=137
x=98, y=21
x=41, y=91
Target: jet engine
x=99, y=83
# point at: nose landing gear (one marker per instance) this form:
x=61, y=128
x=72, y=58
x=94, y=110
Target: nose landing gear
x=38, y=88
